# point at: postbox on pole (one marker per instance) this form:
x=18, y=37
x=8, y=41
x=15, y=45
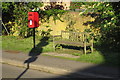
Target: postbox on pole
x=33, y=19
x=33, y=22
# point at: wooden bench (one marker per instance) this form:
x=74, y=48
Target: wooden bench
x=79, y=39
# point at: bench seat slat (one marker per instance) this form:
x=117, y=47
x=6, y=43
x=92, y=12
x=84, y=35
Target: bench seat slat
x=72, y=43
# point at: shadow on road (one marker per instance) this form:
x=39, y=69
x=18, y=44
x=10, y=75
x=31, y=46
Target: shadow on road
x=34, y=53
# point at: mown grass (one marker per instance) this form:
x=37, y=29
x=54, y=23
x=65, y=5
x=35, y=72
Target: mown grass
x=25, y=45
x=95, y=57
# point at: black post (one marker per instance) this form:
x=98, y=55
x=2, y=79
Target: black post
x=33, y=37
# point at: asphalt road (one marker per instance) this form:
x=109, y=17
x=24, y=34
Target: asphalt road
x=9, y=71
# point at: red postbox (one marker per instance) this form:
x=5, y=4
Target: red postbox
x=33, y=19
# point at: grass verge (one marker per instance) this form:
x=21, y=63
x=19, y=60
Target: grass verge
x=23, y=45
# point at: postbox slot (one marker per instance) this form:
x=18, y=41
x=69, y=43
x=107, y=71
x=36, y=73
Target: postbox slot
x=30, y=14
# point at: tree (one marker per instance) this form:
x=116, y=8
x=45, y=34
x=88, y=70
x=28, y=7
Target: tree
x=106, y=23
x=7, y=15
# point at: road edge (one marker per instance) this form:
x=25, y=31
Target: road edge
x=48, y=69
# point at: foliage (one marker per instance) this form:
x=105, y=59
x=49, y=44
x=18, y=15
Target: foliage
x=20, y=12
x=75, y=5
x=46, y=33
x=7, y=10
x=71, y=22
x=5, y=7
x=7, y=14
x=53, y=5
x=54, y=10
x=106, y=23
x=55, y=13
x=15, y=17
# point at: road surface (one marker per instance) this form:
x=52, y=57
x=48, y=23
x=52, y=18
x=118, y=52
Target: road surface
x=9, y=71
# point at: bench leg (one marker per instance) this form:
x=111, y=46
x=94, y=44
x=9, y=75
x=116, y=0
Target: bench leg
x=61, y=47
x=84, y=44
x=53, y=46
x=91, y=48
x=85, y=50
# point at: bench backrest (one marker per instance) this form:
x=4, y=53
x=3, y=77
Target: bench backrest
x=75, y=36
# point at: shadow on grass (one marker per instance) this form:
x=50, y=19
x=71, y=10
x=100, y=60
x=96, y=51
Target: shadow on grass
x=34, y=53
x=110, y=56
